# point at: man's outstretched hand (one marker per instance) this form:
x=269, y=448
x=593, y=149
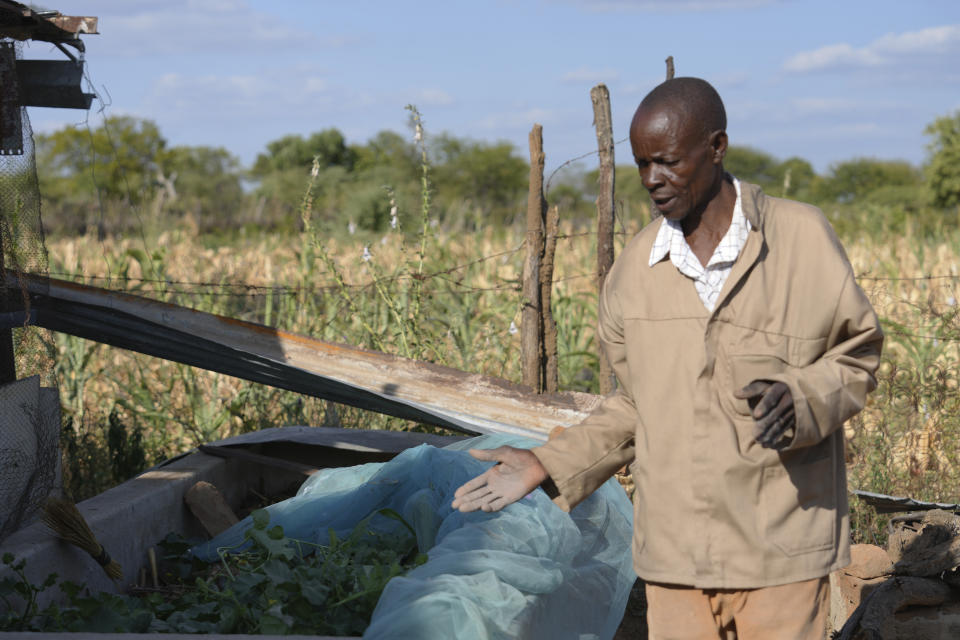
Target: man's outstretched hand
x=517, y=473
x=772, y=410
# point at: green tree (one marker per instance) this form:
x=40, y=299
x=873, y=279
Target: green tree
x=388, y=161
x=631, y=200
x=751, y=165
x=297, y=152
x=283, y=170
x=388, y=149
x=117, y=160
x=863, y=178
x=479, y=181
x=793, y=178
x=943, y=169
x=205, y=181
x=568, y=197
x=797, y=179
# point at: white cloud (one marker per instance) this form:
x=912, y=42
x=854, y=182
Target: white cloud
x=431, y=98
x=243, y=95
x=933, y=40
x=314, y=84
x=723, y=81
x=238, y=86
x=834, y=55
x=45, y=121
x=192, y=26
x=730, y=80
x=805, y=106
x=886, y=50
x=672, y=6
x=517, y=119
x=585, y=75
x=854, y=129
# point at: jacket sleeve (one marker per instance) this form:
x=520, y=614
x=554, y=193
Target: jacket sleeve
x=585, y=456
x=834, y=387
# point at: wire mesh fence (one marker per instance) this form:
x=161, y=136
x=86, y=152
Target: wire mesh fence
x=22, y=248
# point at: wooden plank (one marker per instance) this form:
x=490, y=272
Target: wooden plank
x=210, y=507
x=256, y=458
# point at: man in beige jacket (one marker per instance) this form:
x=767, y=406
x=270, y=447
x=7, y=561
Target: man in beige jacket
x=741, y=342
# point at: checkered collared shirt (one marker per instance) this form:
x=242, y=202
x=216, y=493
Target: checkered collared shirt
x=708, y=280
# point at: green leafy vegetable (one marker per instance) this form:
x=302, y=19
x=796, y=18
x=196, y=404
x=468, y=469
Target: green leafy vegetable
x=275, y=585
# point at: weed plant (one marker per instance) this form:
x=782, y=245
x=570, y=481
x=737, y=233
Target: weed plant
x=273, y=585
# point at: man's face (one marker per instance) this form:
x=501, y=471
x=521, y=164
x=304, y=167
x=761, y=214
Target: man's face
x=678, y=163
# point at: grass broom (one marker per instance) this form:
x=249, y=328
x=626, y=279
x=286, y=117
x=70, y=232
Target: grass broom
x=63, y=517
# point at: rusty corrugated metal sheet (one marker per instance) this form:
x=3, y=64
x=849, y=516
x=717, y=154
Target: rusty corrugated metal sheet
x=75, y=24
x=371, y=380
x=21, y=22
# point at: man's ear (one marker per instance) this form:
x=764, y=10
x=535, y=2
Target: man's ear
x=718, y=143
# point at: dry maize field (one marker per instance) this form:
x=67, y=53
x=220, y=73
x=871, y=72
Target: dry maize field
x=454, y=299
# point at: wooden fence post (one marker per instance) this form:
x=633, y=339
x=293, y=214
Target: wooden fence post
x=531, y=330
x=551, y=373
x=603, y=123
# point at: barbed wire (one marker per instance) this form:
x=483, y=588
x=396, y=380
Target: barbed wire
x=546, y=188
x=907, y=334
x=906, y=278
x=298, y=288
x=507, y=287
x=268, y=287
x=215, y=289
x=254, y=290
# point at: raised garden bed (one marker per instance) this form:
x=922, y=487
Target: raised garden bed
x=541, y=558
x=138, y=514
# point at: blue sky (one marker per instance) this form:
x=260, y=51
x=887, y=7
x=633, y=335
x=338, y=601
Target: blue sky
x=824, y=80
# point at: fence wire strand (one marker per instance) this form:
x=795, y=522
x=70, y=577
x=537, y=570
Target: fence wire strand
x=200, y=289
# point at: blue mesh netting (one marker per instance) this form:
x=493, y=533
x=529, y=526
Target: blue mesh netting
x=528, y=571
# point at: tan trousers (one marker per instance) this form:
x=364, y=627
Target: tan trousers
x=795, y=611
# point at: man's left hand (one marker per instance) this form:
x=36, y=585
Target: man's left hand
x=772, y=410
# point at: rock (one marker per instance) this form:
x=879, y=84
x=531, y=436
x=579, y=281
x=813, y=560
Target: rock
x=846, y=593
x=927, y=623
x=911, y=596
x=868, y=561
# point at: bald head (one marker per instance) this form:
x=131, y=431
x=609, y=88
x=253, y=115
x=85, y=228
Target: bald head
x=694, y=100
x=678, y=138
